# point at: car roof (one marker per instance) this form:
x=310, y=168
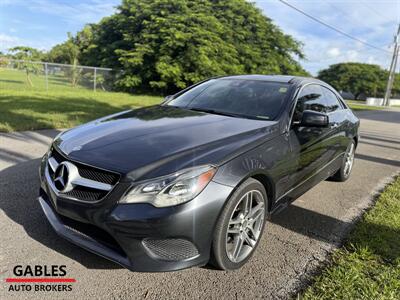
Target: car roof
x=298, y=80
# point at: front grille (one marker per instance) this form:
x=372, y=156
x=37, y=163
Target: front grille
x=98, y=175
x=171, y=249
x=85, y=193
x=87, y=171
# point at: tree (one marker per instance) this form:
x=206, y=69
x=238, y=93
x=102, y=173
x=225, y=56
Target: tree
x=58, y=54
x=67, y=53
x=357, y=78
x=165, y=45
x=27, y=56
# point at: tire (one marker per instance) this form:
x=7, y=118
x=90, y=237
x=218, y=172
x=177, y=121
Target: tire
x=347, y=164
x=244, y=227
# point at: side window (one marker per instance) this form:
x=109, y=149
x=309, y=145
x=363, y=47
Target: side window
x=331, y=101
x=310, y=98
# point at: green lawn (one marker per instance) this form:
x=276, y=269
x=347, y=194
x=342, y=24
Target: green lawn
x=26, y=108
x=360, y=105
x=368, y=266
x=17, y=80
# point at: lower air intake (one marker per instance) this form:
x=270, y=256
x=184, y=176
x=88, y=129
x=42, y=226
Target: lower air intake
x=171, y=249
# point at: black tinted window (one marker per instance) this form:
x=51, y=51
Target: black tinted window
x=331, y=101
x=185, y=98
x=247, y=98
x=310, y=98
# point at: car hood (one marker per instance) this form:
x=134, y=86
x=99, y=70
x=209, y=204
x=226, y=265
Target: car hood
x=158, y=140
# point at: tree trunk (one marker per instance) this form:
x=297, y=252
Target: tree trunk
x=28, y=78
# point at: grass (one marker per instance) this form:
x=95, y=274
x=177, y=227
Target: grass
x=368, y=266
x=360, y=105
x=28, y=108
x=25, y=107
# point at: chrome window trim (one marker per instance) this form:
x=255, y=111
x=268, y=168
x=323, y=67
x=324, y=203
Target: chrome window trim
x=295, y=103
x=337, y=99
x=297, y=98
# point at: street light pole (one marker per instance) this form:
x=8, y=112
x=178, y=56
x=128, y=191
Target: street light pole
x=392, y=69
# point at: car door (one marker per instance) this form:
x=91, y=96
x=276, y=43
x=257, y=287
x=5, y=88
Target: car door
x=309, y=145
x=337, y=122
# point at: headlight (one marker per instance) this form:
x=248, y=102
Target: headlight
x=172, y=189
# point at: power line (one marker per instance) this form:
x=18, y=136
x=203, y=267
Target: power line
x=352, y=19
x=373, y=10
x=346, y=14
x=377, y=13
x=332, y=27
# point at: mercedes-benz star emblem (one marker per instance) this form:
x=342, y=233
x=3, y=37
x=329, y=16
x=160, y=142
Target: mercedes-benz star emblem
x=62, y=180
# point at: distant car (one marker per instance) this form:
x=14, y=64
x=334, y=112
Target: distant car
x=194, y=179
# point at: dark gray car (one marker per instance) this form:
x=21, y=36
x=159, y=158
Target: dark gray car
x=194, y=179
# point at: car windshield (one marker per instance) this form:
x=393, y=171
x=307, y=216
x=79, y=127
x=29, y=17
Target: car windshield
x=244, y=98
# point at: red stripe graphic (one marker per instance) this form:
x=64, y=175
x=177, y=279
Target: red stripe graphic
x=49, y=280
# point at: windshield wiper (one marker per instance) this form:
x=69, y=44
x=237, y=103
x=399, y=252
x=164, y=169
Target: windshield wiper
x=222, y=113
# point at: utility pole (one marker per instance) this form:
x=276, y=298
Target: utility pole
x=392, y=69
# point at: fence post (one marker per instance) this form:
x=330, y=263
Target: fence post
x=47, y=81
x=94, y=80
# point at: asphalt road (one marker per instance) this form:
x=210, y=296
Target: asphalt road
x=294, y=243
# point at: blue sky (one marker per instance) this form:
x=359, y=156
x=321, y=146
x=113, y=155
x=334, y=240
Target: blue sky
x=44, y=23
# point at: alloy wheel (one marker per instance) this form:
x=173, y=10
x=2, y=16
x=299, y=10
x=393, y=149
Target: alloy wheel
x=245, y=226
x=348, y=165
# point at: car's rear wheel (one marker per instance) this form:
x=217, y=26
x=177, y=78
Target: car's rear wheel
x=240, y=226
x=347, y=164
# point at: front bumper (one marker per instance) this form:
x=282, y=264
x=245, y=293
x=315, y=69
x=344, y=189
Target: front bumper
x=139, y=237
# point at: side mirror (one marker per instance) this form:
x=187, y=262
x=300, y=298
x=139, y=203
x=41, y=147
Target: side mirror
x=314, y=119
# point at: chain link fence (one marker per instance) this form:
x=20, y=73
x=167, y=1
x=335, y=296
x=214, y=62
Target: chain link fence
x=34, y=75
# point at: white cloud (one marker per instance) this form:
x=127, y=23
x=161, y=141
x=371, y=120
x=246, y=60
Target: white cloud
x=353, y=55
x=333, y=52
x=8, y=41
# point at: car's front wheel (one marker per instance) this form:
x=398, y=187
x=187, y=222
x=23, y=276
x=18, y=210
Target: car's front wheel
x=240, y=226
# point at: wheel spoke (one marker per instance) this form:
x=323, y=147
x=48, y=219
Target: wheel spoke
x=248, y=240
x=254, y=224
x=235, y=221
x=253, y=231
x=248, y=202
x=234, y=230
x=237, y=247
x=255, y=212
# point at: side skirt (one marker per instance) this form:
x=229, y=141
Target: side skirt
x=294, y=193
